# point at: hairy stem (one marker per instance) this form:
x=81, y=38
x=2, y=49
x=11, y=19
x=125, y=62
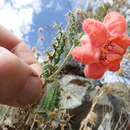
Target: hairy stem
x=62, y=65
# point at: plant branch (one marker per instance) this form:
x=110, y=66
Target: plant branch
x=62, y=65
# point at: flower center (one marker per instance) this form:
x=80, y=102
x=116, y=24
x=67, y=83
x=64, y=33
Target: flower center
x=107, y=48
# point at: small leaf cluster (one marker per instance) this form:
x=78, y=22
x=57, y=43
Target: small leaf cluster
x=54, y=55
x=63, y=42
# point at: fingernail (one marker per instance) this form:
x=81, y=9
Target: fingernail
x=31, y=92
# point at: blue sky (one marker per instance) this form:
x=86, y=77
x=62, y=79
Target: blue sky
x=24, y=17
x=51, y=13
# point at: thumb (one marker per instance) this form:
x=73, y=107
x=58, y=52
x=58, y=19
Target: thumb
x=19, y=84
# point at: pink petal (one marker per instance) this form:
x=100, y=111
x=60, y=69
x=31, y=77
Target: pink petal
x=115, y=48
x=123, y=41
x=115, y=66
x=86, y=54
x=96, y=32
x=85, y=39
x=111, y=58
x=94, y=71
x=115, y=23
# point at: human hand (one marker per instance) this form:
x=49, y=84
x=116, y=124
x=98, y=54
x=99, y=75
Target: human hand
x=19, y=72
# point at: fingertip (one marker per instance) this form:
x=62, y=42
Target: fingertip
x=37, y=68
x=31, y=92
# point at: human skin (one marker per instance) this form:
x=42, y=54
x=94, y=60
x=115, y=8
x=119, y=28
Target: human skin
x=20, y=83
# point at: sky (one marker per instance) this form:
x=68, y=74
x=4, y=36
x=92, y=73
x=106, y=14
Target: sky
x=25, y=17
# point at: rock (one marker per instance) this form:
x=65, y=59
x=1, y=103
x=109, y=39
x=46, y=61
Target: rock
x=73, y=67
x=77, y=96
x=122, y=90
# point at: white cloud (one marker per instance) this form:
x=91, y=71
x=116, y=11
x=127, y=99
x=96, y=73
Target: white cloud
x=1, y=3
x=17, y=15
x=58, y=7
x=55, y=6
x=34, y=4
x=85, y=4
x=22, y=2
x=50, y=4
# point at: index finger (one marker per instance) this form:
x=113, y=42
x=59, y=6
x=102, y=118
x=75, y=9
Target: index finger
x=18, y=47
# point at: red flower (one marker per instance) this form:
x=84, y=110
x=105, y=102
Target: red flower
x=103, y=45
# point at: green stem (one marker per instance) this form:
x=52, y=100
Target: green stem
x=62, y=65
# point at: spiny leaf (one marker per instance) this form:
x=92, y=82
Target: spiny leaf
x=51, y=100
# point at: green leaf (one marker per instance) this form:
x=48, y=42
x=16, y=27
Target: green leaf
x=51, y=100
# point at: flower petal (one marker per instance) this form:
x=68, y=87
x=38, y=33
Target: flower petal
x=115, y=23
x=86, y=54
x=115, y=66
x=94, y=71
x=123, y=41
x=115, y=48
x=85, y=39
x=111, y=58
x=96, y=32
